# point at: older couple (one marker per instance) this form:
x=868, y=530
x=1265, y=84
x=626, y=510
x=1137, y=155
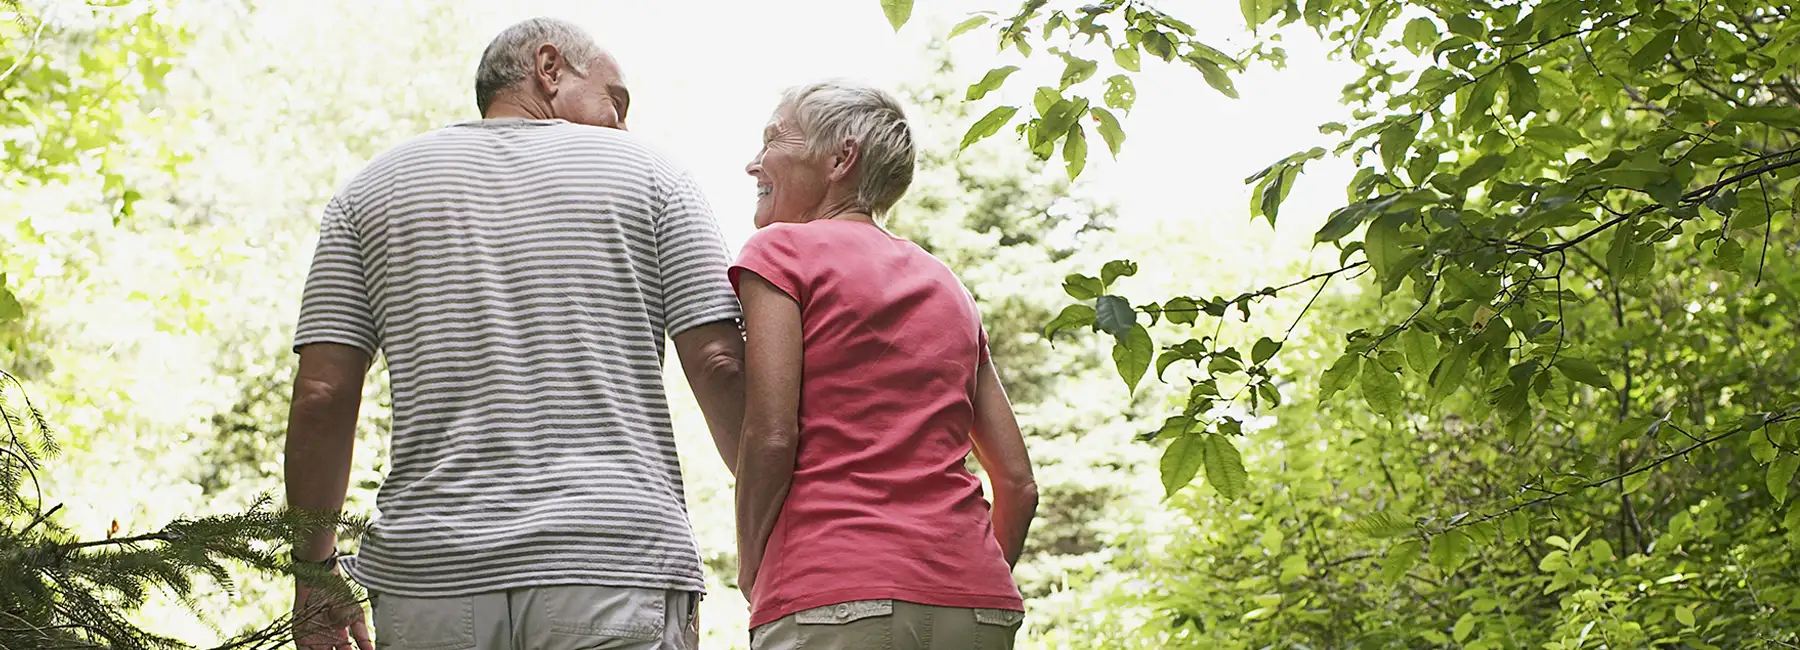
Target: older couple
x=520, y=273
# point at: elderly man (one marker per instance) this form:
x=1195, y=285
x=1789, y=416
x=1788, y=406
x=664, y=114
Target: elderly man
x=519, y=272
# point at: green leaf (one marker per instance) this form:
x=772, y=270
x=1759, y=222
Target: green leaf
x=1342, y=222
x=1120, y=92
x=1127, y=58
x=1114, y=316
x=1781, y=473
x=1465, y=25
x=1381, y=389
x=1396, y=140
x=1786, y=117
x=1131, y=355
x=1075, y=150
x=1400, y=558
x=1730, y=255
x=1685, y=614
x=988, y=125
x=1381, y=244
x=1072, y=316
x=10, y=309
x=897, y=12
x=1215, y=75
x=1654, y=51
x=1584, y=371
x=1555, y=135
x=1084, y=287
x=1383, y=525
x=1117, y=269
x=1482, y=169
x=1109, y=129
x=1077, y=70
x=1464, y=626
x=1339, y=375
x=1256, y=12
x=1181, y=311
x=1420, y=349
x=1420, y=35
x=966, y=25
x=1449, y=549
x=1265, y=347
x=1631, y=484
x=990, y=81
x=1159, y=45
x=1181, y=462
x=1224, y=467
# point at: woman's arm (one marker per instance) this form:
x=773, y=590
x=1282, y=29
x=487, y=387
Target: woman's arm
x=771, y=417
x=1000, y=448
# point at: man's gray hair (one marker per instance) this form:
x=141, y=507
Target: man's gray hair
x=510, y=58
x=830, y=112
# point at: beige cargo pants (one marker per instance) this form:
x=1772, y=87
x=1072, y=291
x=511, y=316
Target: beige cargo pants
x=542, y=618
x=890, y=625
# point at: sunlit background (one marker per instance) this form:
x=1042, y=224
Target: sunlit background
x=163, y=338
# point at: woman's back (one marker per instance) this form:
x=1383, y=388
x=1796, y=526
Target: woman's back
x=881, y=505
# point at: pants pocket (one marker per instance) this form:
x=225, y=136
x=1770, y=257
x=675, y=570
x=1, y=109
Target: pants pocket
x=996, y=629
x=583, y=616
x=859, y=625
x=424, y=623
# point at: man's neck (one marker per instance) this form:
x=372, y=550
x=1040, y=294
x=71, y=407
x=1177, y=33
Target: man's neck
x=507, y=107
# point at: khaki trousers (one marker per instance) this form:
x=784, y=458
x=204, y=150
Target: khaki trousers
x=540, y=618
x=890, y=625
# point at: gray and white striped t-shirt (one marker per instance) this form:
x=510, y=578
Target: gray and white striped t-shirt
x=520, y=275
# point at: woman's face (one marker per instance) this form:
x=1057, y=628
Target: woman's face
x=790, y=181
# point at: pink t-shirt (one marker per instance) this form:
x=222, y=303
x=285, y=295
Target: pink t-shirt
x=882, y=506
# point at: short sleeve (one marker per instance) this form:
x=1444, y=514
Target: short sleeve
x=982, y=357
x=334, y=308
x=773, y=255
x=691, y=258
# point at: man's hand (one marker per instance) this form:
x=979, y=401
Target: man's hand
x=326, y=619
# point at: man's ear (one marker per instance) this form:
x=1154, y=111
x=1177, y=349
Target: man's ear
x=547, y=70
x=844, y=160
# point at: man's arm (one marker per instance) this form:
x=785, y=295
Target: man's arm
x=1000, y=448
x=712, y=357
x=321, y=436
x=771, y=418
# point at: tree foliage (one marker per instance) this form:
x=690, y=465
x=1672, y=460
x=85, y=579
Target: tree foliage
x=1561, y=361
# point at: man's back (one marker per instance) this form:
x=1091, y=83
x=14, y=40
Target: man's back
x=520, y=277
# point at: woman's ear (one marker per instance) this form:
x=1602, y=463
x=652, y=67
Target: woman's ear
x=844, y=160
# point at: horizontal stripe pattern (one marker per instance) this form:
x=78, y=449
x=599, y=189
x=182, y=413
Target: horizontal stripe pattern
x=520, y=277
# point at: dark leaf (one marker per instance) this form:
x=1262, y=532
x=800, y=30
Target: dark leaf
x=1114, y=316
x=1584, y=371
x=1264, y=349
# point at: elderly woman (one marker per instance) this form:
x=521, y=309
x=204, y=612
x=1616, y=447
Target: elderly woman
x=868, y=384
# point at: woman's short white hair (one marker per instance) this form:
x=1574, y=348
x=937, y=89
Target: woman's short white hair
x=830, y=112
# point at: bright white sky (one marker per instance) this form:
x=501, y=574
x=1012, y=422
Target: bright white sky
x=706, y=74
